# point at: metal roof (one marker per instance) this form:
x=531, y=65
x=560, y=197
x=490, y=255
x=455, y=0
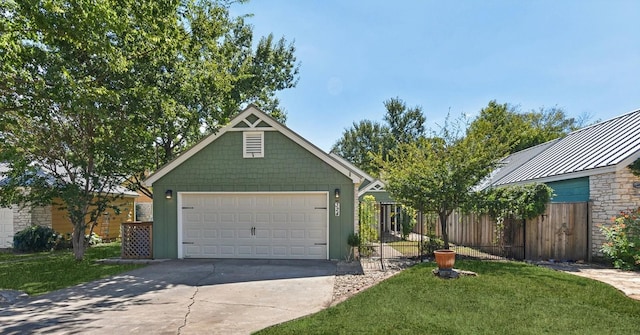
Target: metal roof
x=512, y=162
x=585, y=151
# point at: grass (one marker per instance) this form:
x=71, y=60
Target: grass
x=407, y=248
x=39, y=273
x=506, y=298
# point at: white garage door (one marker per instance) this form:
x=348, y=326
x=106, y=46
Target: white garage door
x=6, y=228
x=243, y=225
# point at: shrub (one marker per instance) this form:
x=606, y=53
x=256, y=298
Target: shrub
x=623, y=240
x=94, y=239
x=35, y=238
x=408, y=221
x=431, y=244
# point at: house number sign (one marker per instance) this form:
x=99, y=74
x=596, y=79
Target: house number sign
x=337, y=208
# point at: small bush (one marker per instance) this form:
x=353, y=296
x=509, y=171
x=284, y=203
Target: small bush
x=432, y=244
x=623, y=240
x=353, y=240
x=34, y=239
x=94, y=239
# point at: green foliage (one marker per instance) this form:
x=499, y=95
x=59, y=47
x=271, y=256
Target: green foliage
x=431, y=244
x=623, y=240
x=367, y=139
x=34, y=239
x=518, y=201
x=368, y=222
x=94, y=94
x=408, y=220
x=353, y=240
x=437, y=174
x=521, y=130
x=635, y=167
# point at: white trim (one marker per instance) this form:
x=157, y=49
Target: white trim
x=179, y=211
x=352, y=167
x=180, y=225
x=257, y=135
x=369, y=188
x=354, y=176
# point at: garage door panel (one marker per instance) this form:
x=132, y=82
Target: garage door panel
x=285, y=225
x=227, y=234
x=263, y=251
x=227, y=218
x=316, y=234
x=297, y=234
x=210, y=233
x=280, y=233
x=245, y=234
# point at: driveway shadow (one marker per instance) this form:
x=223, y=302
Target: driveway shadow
x=70, y=310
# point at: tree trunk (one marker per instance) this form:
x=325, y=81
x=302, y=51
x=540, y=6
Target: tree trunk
x=79, y=242
x=443, y=226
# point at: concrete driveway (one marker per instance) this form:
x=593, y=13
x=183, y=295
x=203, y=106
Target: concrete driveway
x=180, y=297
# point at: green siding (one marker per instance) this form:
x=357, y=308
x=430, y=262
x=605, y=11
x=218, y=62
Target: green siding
x=570, y=190
x=220, y=167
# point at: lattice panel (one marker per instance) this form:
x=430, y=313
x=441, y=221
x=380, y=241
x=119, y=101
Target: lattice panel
x=137, y=240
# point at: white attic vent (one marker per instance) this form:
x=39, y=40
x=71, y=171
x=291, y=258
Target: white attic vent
x=253, y=144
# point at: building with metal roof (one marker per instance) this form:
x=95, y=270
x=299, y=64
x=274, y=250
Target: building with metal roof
x=588, y=165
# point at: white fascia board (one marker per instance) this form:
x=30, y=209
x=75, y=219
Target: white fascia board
x=369, y=187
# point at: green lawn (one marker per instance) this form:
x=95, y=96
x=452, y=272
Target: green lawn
x=407, y=248
x=506, y=298
x=42, y=272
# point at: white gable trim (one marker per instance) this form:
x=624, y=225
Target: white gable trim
x=352, y=167
x=376, y=186
x=274, y=125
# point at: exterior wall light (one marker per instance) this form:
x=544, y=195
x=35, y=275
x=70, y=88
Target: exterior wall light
x=337, y=193
x=168, y=194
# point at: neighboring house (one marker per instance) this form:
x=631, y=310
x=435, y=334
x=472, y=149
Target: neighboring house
x=254, y=189
x=588, y=165
x=17, y=218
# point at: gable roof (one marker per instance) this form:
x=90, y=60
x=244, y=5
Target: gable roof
x=376, y=186
x=599, y=148
x=352, y=167
x=252, y=118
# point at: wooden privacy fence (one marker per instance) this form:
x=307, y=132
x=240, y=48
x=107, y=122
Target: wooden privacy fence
x=137, y=240
x=561, y=233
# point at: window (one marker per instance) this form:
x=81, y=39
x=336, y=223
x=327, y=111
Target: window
x=253, y=144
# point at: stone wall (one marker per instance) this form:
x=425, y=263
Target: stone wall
x=27, y=216
x=610, y=193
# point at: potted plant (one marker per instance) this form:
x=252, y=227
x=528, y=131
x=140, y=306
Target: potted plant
x=445, y=259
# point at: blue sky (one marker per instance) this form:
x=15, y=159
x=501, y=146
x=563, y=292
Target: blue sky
x=583, y=56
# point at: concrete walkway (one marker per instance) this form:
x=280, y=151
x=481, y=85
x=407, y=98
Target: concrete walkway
x=628, y=282
x=179, y=297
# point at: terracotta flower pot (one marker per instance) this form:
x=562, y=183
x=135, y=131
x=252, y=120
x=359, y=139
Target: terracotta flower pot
x=445, y=259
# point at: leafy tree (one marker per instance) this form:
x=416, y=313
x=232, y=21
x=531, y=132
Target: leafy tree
x=95, y=93
x=360, y=143
x=405, y=124
x=523, y=130
x=437, y=174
